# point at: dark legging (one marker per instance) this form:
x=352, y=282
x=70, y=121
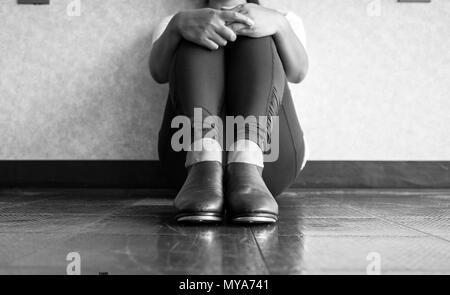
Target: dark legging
x=244, y=78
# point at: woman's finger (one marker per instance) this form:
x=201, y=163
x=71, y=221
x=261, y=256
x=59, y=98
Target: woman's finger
x=216, y=38
x=233, y=16
x=237, y=27
x=235, y=8
x=246, y=32
x=240, y=8
x=227, y=33
x=209, y=44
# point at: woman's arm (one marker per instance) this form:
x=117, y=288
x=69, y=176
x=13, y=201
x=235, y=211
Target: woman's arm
x=291, y=51
x=205, y=27
x=163, y=51
x=269, y=22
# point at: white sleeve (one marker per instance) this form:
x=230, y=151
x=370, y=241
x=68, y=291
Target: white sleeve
x=294, y=20
x=160, y=28
x=298, y=27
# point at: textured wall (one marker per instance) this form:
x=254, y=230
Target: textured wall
x=79, y=88
x=378, y=87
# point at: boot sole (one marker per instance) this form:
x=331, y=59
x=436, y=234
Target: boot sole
x=199, y=218
x=256, y=218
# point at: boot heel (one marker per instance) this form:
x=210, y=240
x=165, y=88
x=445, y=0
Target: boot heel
x=198, y=218
x=256, y=218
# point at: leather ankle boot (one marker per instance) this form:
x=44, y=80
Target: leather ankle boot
x=201, y=197
x=248, y=200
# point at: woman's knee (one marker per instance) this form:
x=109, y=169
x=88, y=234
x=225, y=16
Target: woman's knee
x=255, y=44
x=187, y=47
x=246, y=49
x=257, y=58
x=194, y=62
x=189, y=51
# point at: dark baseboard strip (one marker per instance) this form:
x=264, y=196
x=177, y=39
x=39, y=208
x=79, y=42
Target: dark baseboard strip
x=375, y=174
x=147, y=174
x=82, y=174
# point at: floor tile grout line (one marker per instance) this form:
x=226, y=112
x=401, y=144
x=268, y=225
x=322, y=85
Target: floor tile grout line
x=386, y=220
x=338, y=202
x=25, y=203
x=260, y=250
x=354, y=191
x=398, y=224
x=253, y=231
x=78, y=231
x=47, y=198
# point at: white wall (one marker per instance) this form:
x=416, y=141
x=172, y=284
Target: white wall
x=378, y=87
x=79, y=88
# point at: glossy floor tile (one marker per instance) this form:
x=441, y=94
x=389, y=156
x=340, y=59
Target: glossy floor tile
x=133, y=232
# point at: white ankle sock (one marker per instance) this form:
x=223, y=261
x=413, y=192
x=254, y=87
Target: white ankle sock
x=246, y=151
x=203, y=150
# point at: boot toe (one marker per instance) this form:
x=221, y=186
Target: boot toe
x=201, y=197
x=195, y=201
x=253, y=202
x=248, y=198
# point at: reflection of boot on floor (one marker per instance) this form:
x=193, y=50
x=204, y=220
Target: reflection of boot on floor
x=193, y=251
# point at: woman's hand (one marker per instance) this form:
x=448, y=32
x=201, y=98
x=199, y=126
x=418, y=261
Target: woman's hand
x=267, y=21
x=207, y=27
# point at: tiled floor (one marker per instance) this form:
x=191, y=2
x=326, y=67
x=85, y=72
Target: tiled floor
x=132, y=232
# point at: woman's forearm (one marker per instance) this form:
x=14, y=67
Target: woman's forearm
x=163, y=52
x=291, y=51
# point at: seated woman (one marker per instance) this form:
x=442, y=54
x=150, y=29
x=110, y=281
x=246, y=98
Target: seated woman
x=232, y=58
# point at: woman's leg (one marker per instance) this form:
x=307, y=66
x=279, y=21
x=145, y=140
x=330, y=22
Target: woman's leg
x=196, y=83
x=256, y=86
x=255, y=83
x=282, y=173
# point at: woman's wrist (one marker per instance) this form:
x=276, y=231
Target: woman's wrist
x=282, y=23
